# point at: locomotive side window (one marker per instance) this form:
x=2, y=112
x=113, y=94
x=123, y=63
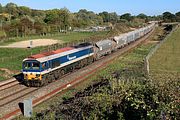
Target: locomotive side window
x=44, y=66
x=55, y=63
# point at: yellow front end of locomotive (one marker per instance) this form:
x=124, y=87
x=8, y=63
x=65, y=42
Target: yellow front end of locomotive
x=32, y=76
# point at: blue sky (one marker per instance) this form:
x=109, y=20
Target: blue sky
x=149, y=7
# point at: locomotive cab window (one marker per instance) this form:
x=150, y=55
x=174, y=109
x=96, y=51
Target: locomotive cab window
x=31, y=65
x=35, y=65
x=27, y=65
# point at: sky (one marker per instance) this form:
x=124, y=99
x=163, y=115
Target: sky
x=135, y=7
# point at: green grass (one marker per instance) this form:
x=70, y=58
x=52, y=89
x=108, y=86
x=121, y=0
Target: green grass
x=167, y=57
x=68, y=37
x=11, y=58
x=2, y=33
x=2, y=75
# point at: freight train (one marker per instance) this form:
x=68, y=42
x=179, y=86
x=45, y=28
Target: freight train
x=41, y=69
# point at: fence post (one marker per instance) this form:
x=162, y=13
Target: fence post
x=27, y=107
x=147, y=65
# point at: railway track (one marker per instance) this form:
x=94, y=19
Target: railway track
x=8, y=83
x=46, y=92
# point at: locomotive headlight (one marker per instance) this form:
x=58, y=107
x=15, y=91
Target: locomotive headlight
x=37, y=75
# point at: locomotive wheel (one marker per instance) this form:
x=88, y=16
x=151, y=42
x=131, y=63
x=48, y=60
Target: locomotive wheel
x=90, y=61
x=39, y=84
x=85, y=62
x=71, y=68
x=50, y=78
x=27, y=84
x=62, y=73
x=56, y=75
x=44, y=80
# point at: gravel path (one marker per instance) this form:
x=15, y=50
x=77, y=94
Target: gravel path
x=32, y=43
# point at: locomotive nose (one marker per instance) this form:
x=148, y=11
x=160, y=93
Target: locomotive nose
x=32, y=76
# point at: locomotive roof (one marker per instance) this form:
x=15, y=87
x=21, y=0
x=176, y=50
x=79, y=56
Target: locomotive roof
x=62, y=51
x=51, y=52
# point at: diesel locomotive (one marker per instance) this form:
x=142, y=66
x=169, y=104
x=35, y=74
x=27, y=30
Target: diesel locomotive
x=41, y=69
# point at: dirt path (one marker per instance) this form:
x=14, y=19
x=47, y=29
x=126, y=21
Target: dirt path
x=32, y=43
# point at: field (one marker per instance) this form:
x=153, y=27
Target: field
x=11, y=58
x=167, y=57
x=65, y=37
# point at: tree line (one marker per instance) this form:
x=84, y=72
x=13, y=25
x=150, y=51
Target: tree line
x=21, y=21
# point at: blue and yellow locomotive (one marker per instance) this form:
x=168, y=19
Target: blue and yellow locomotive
x=43, y=68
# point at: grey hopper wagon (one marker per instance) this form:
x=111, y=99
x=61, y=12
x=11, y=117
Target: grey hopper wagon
x=103, y=47
x=120, y=40
x=136, y=34
x=130, y=37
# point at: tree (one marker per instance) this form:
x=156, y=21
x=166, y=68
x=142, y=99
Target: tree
x=88, y=18
x=126, y=16
x=40, y=26
x=26, y=24
x=105, y=16
x=1, y=8
x=52, y=16
x=64, y=18
x=177, y=16
x=38, y=13
x=169, y=17
x=14, y=28
x=12, y=10
x=23, y=10
x=113, y=17
x=142, y=16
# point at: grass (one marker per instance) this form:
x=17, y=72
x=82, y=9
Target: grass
x=1, y=74
x=65, y=37
x=11, y=58
x=2, y=33
x=167, y=57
